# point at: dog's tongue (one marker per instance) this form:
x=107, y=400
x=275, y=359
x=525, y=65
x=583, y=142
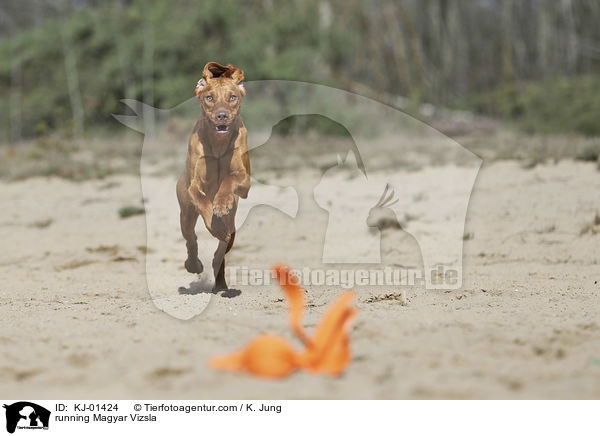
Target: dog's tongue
x=222, y=129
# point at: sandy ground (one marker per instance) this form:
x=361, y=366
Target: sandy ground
x=78, y=321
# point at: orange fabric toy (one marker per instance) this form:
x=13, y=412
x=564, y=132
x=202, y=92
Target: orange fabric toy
x=328, y=351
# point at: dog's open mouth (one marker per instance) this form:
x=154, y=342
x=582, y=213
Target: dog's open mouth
x=222, y=128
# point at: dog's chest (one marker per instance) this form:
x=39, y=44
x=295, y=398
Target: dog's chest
x=210, y=172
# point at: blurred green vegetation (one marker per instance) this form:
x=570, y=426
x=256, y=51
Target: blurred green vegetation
x=566, y=104
x=64, y=66
x=127, y=211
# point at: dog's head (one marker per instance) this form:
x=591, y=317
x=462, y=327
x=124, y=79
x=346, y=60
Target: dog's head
x=220, y=92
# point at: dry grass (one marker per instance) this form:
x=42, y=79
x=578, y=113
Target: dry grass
x=100, y=156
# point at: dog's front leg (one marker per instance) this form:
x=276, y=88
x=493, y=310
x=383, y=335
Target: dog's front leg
x=243, y=186
x=223, y=201
x=202, y=204
x=216, y=225
x=241, y=169
x=237, y=182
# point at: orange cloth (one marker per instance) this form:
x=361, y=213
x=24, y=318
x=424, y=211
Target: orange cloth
x=328, y=351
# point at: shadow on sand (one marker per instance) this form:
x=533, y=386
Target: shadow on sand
x=206, y=287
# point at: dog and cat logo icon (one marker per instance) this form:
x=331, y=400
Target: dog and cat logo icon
x=26, y=415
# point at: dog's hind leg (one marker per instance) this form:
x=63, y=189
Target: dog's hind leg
x=219, y=263
x=188, y=218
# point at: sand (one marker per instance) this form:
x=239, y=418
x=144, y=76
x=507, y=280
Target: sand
x=78, y=320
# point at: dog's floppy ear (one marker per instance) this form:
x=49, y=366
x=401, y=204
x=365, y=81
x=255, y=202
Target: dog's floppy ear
x=237, y=74
x=241, y=87
x=213, y=70
x=200, y=86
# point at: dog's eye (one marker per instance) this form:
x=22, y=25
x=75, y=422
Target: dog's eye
x=232, y=97
x=209, y=98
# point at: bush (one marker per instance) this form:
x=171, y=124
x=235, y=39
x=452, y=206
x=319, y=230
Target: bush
x=568, y=104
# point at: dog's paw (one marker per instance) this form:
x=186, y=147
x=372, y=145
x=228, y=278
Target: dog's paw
x=194, y=266
x=222, y=204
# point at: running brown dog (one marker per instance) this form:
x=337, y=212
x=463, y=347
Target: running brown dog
x=217, y=170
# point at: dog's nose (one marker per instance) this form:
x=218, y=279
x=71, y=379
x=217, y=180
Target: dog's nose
x=222, y=115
